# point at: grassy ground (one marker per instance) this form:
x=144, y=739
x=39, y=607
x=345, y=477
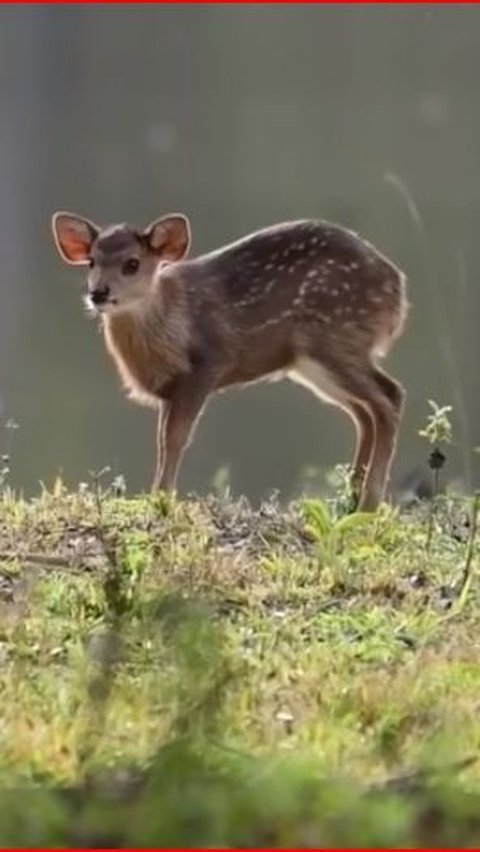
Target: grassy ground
x=219, y=675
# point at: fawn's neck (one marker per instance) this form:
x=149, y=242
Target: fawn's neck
x=149, y=351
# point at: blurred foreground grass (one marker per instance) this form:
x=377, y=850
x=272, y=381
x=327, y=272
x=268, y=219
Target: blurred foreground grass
x=202, y=674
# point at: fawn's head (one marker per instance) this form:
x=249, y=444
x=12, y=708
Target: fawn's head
x=121, y=260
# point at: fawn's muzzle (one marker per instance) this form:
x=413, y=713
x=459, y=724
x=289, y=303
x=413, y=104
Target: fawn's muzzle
x=99, y=295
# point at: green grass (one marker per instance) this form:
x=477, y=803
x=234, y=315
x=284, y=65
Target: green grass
x=197, y=672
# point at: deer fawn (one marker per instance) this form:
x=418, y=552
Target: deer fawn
x=306, y=299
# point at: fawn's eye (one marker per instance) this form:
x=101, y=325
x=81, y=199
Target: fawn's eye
x=91, y=262
x=130, y=267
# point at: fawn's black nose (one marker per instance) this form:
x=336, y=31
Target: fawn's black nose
x=99, y=295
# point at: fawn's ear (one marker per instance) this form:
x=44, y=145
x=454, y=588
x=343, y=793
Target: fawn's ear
x=169, y=237
x=73, y=236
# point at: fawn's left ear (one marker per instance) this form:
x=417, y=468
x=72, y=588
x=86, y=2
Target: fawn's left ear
x=169, y=237
x=74, y=237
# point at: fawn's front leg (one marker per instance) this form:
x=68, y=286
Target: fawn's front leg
x=176, y=423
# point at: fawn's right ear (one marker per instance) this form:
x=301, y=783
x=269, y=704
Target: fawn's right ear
x=73, y=236
x=169, y=237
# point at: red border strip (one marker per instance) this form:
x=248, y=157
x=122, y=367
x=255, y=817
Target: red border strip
x=240, y=3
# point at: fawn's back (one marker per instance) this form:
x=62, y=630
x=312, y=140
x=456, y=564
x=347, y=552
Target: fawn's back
x=295, y=290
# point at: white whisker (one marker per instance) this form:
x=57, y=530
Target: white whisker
x=90, y=308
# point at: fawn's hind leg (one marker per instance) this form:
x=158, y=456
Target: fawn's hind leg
x=386, y=406
x=310, y=373
x=354, y=384
x=383, y=397
x=365, y=440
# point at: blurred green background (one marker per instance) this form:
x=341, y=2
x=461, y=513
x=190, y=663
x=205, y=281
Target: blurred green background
x=240, y=117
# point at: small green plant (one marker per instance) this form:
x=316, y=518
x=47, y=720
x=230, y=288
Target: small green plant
x=468, y=570
x=329, y=531
x=437, y=431
x=221, y=481
x=4, y=470
x=340, y=479
x=5, y=458
x=438, y=428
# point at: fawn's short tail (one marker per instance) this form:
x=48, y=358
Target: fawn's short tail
x=396, y=319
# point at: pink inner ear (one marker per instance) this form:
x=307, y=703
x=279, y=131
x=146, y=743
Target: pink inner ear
x=74, y=247
x=158, y=239
x=168, y=237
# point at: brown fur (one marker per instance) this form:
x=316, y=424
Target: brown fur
x=306, y=299
x=148, y=357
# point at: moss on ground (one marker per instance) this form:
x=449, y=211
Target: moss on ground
x=200, y=673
